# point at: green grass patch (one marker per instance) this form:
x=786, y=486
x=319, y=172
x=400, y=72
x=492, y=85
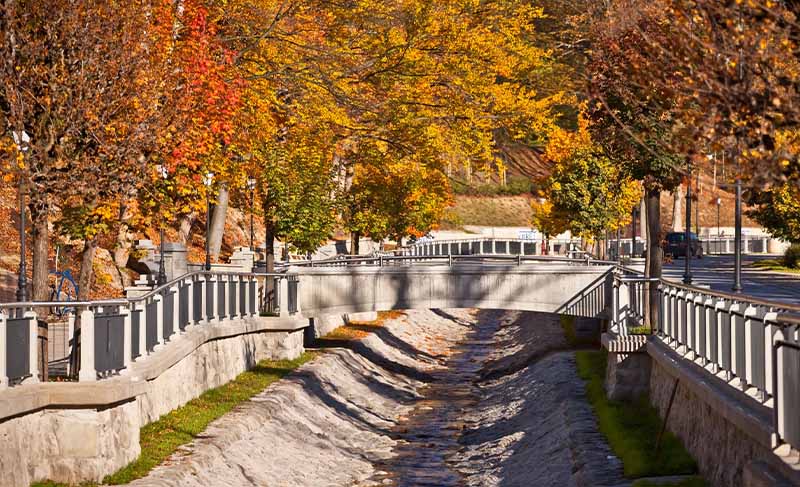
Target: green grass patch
x=161, y=438
x=693, y=481
x=632, y=427
x=774, y=265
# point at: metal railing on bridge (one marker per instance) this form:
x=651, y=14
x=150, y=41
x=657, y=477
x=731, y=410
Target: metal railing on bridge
x=389, y=260
x=114, y=333
x=751, y=344
x=493, y=246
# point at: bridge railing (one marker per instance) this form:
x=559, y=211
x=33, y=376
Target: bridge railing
x=384, y=260
x=115, y=333
x=496, y=246
x=786, y=381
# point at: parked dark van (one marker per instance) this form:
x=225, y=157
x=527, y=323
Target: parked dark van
x=675, y=244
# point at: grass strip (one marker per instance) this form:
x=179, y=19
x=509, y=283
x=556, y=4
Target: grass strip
x=632, y=427
x=161, y=438
x=774, y=265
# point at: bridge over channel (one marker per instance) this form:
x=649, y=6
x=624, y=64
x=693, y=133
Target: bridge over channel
x=737, y=359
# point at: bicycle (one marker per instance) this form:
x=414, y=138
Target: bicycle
x=63, y=290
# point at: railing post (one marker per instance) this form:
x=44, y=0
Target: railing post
x=709, y=330
x=213, y=282
x=127, y=354
x=235, y=312
x=204, y=318
x=247, y=310
x=143, y=352
x=754, y=348
x=88, y=373
x=3, y=351
x=720, y=310
x=176, y=312
x=159, y=300
x=283, y=296
x=33, y=351
x=770, y=329
x=189, y=283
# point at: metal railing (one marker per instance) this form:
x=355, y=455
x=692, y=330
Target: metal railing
x=753, y=345
x=481, y=259
x=114, y=333
x=494, y=246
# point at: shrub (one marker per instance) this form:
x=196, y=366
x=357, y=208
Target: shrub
x=792, y=256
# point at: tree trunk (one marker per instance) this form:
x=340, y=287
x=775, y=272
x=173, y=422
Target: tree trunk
x=677, y=201
x=218, y=222
x=41, y=250
x=87, y=269
x=122, y=249
x=269, y=260
x=655, y=257
x=355, y=239
x=185, y=228
x=40, y=280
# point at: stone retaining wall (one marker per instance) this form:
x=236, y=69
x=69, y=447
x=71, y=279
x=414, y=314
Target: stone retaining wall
x=75, y=445
x=720, y=448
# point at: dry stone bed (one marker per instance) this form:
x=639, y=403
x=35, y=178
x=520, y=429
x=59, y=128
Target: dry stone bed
x=325, y=425
x=336, y=421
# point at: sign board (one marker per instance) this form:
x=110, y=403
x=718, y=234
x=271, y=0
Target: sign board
x=528, y=235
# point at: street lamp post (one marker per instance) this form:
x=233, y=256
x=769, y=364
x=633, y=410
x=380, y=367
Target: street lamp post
x=687, y=272
x=633, y=231
x=208, y=180
x=719, y=233
x=162, y=271
x=23, y=142
x=251, y=185
x=737, y=244
x=22, y=280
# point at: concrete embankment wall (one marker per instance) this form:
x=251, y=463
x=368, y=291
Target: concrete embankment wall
x=89, y=441
x=727, y=433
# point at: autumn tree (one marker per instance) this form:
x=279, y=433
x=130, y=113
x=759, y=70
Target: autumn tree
x=587, y=193
x=86, y=94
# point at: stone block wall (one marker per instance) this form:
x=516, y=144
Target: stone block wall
x=211, y=365
x=70, y=445
x=722, y=450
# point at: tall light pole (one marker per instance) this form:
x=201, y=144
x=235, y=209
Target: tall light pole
x=208, y=180
x=22, y=140
x=251, y=185
x=737, y=244
x=719, y=235
x=697, y=206
x=162, y=271
x=633, y=231
x=687, y=269
x=22, y=279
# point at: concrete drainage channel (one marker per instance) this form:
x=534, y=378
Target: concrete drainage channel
x=438, y=398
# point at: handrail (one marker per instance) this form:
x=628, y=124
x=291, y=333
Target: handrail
x=126, y=301
x=739, y=298
x=449, y=259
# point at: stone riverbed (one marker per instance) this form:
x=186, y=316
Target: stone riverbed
x=434, y=398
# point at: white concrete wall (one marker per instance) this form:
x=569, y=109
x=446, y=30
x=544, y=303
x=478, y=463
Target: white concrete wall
x=548, y=288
